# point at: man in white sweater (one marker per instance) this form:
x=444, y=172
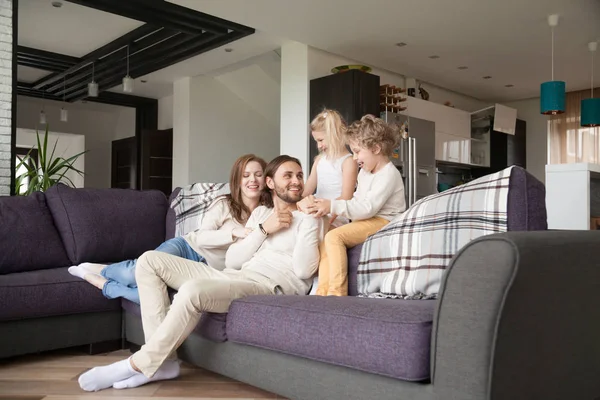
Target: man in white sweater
x=279, y=256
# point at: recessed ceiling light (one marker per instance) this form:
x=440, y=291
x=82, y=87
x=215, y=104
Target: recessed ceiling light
x=57, y=4
x=143, y=80
x=487, y=77
x=228, y=50
x=401, y=44
x=463, y=67
x=509, y=85
x=434, y=57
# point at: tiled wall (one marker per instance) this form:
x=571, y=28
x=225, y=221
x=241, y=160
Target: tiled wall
x=6, y=38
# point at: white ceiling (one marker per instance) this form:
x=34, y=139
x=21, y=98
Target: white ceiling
x=76, y=30
x=72, y=29
x=508, y=40
x=28, y=74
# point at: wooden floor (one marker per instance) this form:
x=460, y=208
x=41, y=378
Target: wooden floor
x=53, y=376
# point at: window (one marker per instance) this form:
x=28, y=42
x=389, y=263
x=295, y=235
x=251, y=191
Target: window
x=568, y=141
x=32, y=159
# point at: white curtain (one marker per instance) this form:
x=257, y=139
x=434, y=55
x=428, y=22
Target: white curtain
x=568, y=141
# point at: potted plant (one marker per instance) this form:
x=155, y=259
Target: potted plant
x=47, y=172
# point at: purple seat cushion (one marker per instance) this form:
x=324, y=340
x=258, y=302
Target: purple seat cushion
x=211, y=325
x=526, y=208
x=28, y=238
x=107, y=225
x=47, y=293
x=386, y=337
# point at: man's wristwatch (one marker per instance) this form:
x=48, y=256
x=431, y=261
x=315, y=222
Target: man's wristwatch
x=260, y=226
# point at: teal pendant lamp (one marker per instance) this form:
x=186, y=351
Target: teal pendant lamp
x=552, y=93
x=590, y=108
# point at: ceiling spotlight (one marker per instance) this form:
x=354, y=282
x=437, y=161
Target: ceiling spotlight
x=509, y=85
x=143, y=80
x=57, y=4
x=228, y=50
x=487, y=77
x=401, y=44
x=434, y=57
x=463, y=67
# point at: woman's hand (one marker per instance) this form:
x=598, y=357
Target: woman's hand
x=280, y=219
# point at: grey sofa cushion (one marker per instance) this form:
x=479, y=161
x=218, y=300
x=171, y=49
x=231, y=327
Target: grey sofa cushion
x=107, y=225
x=387, y=337
x=28, y=238
x=49, y=292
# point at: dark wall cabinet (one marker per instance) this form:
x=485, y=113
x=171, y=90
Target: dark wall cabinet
x=353, y=94
x=506, y=150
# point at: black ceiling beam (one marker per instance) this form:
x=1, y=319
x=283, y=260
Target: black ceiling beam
x=154, y=57
x=111, y=71
x=25, y=89
x=98, y=53
x=172, y=34
x=156, y=13
x=44, y=60
x=163, y=39
x=206, y=21
x=183, y=53
x=120, y=99
x=37, y=54
x=40, y=65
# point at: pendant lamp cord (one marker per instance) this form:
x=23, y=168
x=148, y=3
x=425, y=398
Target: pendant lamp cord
x=552, y=53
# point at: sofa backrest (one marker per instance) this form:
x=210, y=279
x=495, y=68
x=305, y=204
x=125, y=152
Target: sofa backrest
x=29, y=239
x=170, y=222
x=526, y=207
x=107, y=225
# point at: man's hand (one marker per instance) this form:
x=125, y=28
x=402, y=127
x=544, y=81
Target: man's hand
x=280, y=219
x=320, y=208
x=304, y=204
x=241, y=233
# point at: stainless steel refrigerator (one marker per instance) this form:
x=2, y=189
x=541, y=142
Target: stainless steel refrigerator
x=415, y=157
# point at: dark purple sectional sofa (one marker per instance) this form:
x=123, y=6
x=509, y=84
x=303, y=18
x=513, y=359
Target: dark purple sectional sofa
x=515, y=317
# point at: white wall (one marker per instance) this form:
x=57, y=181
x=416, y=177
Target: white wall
x=537, y=135
x=211, y=128
x=321, y=63
x=165, y=112
x=67, y=145
x=99, y=123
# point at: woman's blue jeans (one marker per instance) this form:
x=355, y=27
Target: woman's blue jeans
x=121, y=276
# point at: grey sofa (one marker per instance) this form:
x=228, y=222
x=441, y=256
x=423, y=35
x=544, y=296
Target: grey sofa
x=516, y=316
x=510, y=323
x=514, y=320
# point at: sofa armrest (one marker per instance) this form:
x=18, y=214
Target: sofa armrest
x=519, y=317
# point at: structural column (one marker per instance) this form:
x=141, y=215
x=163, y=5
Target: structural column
x=294, y=131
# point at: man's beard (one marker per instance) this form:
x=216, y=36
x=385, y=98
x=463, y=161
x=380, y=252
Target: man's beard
x=288, y=197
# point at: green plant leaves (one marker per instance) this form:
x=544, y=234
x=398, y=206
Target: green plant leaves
x=48, y=172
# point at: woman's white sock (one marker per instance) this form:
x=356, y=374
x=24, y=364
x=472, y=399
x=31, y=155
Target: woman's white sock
x=78, y=271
